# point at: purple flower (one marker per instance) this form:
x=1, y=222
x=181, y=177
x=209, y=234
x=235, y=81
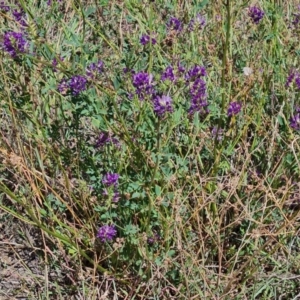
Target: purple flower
x=234, y=108
x=293, y=76
x=63, y=86
x=14, y=43
x=77, y=84
x=94, y=69
x=199, y=21
x=168, y=74
x=195, y=73
x=20, y=16
x=162, y=104
x=110, y=179
x=153, y=239
x=107, y=233
x=295, y=121
x=290, y=78
x=197, y=89
x=198, y=97
x=145, y=39
x=4, y=7
x=256, y=14
x=174, y=24
x=105, y=138
x=297, y=80
x=143, y=83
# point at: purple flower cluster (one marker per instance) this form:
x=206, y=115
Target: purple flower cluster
x=105, y=138
x=94, y=69
x=195, y=73
x=14, y=43
x=153, y=239
x=143, y=83
x=168, y=74
x=174, y=24
x=197, y=89
x=76, y=85
x=198, y=22
x=63, y=86
x=295, y=121
x=145, y=39
x=171, y=74
x=4, y=7
x=111, y=179
x=144, y=86
x=293, y=76
x=106, y=233
x=162, y=105
x=234, y=108
x=20, y=16
x=256, y=14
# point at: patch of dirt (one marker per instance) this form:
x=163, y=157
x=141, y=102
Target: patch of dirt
x=21, y=267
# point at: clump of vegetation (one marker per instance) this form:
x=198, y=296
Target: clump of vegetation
x=154, y=145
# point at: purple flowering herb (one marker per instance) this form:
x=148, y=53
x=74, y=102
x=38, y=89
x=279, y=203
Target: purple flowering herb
x=111, y=179
x=3, y=7
x=234, y=108
x=94, y=69
x=107, y=233
x=195, y=73
x=168, y=74
x=198, y=97
x=14, y=43
x=174, y=24
x=197, y=89
x=105, y=138
x=153, y=239
x=290, y=78
x=256, y=14
x=198, y=22
x=77, y=84
x=63, y=86
x=162, y=105
x=145, y=39
x=143, y=83
x=297, y=80
x=295, y=121
x=20, y=16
